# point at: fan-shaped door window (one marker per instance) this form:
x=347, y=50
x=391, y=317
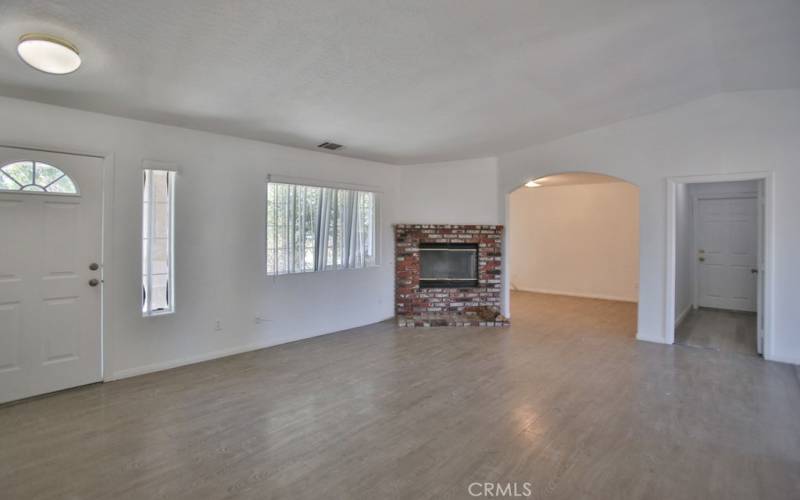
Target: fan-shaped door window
x=35, y=177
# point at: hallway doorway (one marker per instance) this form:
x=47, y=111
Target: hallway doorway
x=719, y=265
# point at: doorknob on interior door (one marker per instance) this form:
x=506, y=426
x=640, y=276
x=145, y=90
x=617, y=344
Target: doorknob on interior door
x=702, y=259
x=94, y=282
x=94, y=266
x=754, y=271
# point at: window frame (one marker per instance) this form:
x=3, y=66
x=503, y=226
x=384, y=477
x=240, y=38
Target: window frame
x=316, y=183
x=171, y=171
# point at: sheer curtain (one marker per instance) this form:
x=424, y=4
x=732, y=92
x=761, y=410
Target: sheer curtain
x=313, y=228
x=358, y=228
x=326, y=221
x=351, y=254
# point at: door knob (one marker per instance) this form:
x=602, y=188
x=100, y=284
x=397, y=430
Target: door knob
x=702, y=259
x=754, y=271
x=93, y=266
x=94, y=282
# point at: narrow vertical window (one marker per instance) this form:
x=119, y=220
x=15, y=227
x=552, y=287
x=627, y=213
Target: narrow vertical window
x=158, y=291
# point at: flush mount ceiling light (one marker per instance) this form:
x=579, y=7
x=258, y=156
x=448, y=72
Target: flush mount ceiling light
x=532, y=184
x=48, y=53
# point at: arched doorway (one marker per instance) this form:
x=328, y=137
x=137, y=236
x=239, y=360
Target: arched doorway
x=573, y=251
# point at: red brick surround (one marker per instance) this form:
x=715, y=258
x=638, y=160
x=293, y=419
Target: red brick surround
x=421, y=307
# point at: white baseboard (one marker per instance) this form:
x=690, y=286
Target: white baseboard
x=190, y=360
x=792, y=360
x=600, y=296
x=648, y=338
x=222, y=353
x=682, y=315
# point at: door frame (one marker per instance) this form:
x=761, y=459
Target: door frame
x=768, y=177
x=106, y=233
x=748, y=195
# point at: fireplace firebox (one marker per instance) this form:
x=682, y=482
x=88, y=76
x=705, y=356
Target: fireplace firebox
x=448, y=265
x=448, y=275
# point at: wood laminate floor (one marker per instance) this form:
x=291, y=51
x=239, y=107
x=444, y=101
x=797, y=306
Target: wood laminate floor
x=565, y=400
x=727, y=331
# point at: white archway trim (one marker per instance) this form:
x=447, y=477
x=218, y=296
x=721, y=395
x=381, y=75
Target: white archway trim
x=769, y=247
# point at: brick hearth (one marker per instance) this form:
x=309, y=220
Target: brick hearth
x=474, y=306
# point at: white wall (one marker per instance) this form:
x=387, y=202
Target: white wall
x=456, y=192
x=219, y=239
x=220, y=202
x=685, y=255
x=580, y=240
x=733, y=132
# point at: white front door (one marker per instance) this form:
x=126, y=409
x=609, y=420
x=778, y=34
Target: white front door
x=51, y=235
x=727, y=252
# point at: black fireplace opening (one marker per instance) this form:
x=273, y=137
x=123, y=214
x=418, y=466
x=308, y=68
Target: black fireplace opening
x=448, y=265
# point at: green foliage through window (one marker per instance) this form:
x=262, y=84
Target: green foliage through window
x=34, y=176
x=311, y=228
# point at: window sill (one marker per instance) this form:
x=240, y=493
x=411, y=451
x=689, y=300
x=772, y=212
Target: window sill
x=326, y=271
x=155, y=314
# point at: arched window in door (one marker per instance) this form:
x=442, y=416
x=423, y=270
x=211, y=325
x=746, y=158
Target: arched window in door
x=36, y=177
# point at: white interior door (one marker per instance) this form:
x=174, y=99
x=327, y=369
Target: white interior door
x=727, y=252
x=50, y=333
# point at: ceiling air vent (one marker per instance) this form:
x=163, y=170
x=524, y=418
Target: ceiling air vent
x=332, y=146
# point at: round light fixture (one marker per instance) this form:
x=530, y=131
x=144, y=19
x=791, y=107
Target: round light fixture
x=48, y=53
x=532, y=184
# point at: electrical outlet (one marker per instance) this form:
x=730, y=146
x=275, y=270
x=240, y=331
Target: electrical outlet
x=218, y=326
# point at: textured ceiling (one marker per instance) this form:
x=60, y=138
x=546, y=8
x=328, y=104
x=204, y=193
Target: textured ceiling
x=402, y=81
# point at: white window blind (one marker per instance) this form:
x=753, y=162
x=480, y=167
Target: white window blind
x=311, y=228
x=158, y=284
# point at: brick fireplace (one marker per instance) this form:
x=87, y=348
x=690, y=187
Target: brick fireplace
x=448, y=275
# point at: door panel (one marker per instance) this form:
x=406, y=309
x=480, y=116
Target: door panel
x=11, y=321
x=15, y=228
x=60, y=228
x=49, y=315
x=60, y=328
x=727, y=252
